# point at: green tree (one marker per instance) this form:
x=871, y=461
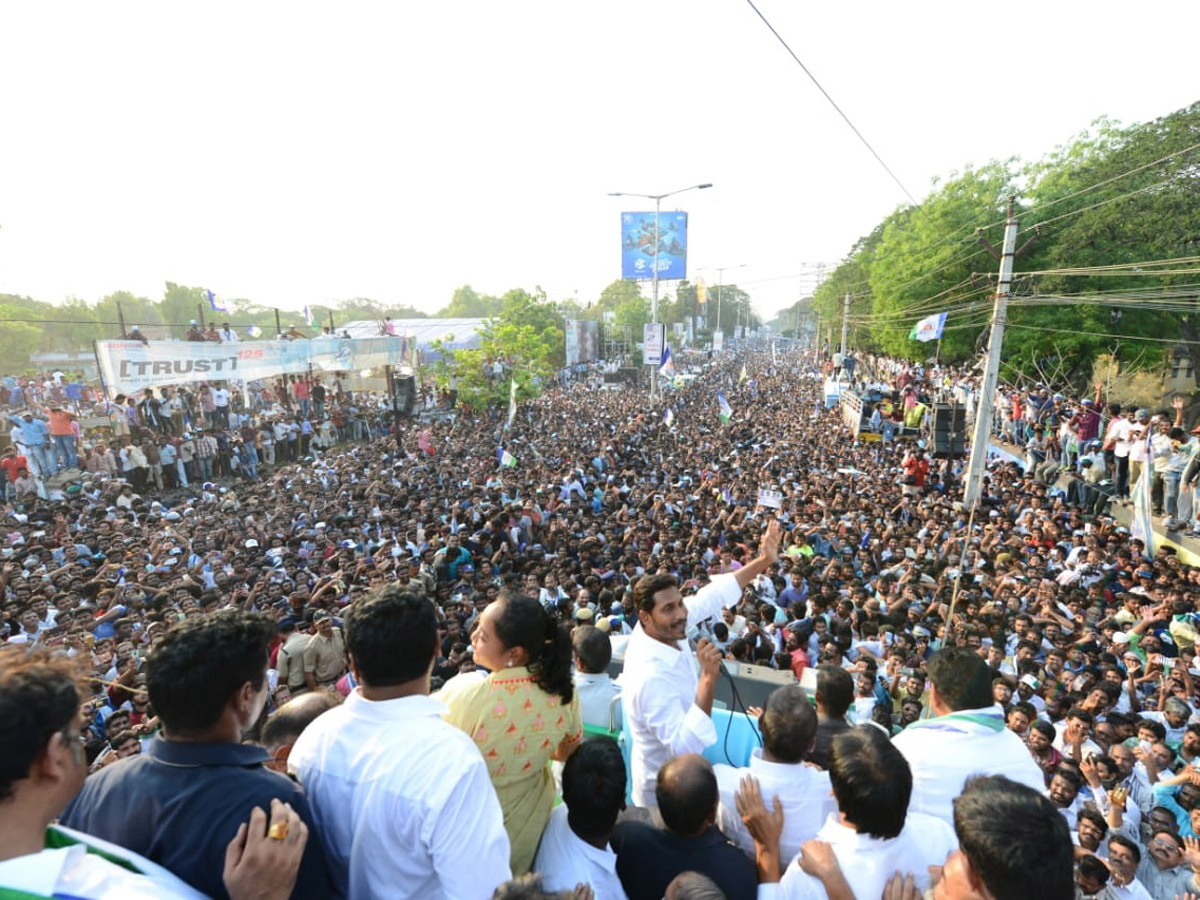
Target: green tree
x=926, y=259
x=17, y=338
x=525, y=337
x=1117, y=197
x=467, y=303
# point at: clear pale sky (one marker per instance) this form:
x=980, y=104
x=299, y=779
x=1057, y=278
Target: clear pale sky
x=294, y=153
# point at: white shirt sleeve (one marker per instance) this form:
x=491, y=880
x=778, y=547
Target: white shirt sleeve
x=684, y=731
x=707, y=603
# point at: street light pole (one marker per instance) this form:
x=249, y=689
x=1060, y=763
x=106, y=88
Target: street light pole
x=720, y=270
x=657, y=198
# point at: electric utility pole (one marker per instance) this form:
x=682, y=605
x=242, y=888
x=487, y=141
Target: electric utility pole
x=991, y=373
x=845, y=321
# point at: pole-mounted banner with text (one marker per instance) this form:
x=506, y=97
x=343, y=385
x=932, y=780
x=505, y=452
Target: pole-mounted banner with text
x=654, y=336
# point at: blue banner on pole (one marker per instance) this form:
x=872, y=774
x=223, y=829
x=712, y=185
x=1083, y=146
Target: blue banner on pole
x=637, y=245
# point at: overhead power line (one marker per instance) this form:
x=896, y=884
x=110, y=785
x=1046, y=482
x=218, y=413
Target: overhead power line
x=833, y=103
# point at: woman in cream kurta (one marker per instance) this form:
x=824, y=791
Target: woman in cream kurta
x=522, y=715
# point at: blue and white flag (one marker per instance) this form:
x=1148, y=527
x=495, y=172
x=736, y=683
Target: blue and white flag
x=667, y=369
x=726, y=409
x=929, y=329
x=669, y=417
x=506, y=459
x=218, y=304
x=254, y=331
x=308, y=317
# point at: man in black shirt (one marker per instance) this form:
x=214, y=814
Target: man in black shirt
x=648, y=858
x=181, y=802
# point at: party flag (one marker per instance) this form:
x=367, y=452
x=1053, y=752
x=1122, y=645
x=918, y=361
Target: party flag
x=667, y=369
x=726, y=409
x=929, y=329
x=218, y=304
x=506, y=459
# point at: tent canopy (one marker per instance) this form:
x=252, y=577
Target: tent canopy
x=458, y=334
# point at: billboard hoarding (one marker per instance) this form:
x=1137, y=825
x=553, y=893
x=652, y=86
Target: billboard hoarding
x=718, y=341
x=637, y=245
x=653, y=337
x=583, y=341
x=131, y=366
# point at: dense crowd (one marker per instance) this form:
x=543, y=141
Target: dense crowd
x=1010, y=691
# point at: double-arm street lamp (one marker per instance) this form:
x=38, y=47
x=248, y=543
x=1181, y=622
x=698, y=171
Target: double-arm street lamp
x=658, y=199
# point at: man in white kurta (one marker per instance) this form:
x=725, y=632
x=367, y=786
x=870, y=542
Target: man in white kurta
x=868, y=862
x=667, y=703
x=565, y=860
x=962, y=739
x=789, y=727
x=401, y=798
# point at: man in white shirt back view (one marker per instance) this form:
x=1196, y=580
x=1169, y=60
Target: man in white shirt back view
x=872, y=835
x=402, y=799
x=574, y=848
x=1012, y=844
x=597, y=691
x=789, y=728
x=966, y=737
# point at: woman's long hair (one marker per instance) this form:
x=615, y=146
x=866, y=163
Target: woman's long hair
x=523, y=622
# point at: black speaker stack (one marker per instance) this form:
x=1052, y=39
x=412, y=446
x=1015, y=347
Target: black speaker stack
x=949, y=431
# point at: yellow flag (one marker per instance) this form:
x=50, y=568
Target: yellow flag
x=701, y=291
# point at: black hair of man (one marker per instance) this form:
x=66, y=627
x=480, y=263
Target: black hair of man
x=961, y=678
x=1159, y=730
x=1077, y=712
x=1091, y=868
x=1122, y=841
x=1095, y=818
x=121, y=737
x=201, y=662
x=687, y=795
x=647, y=586
x=1015, y=839
x=593, y=788
x=391, y=635
x=1043, y=727
x=593, y=649
x=835, y=690
x=872, y=781
x=788, y=724
x=39, y=697
x=288, y=722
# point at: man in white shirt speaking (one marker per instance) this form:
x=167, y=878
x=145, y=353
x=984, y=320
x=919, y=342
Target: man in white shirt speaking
x=668, y=707
x=966, y=737
x=403, y=800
